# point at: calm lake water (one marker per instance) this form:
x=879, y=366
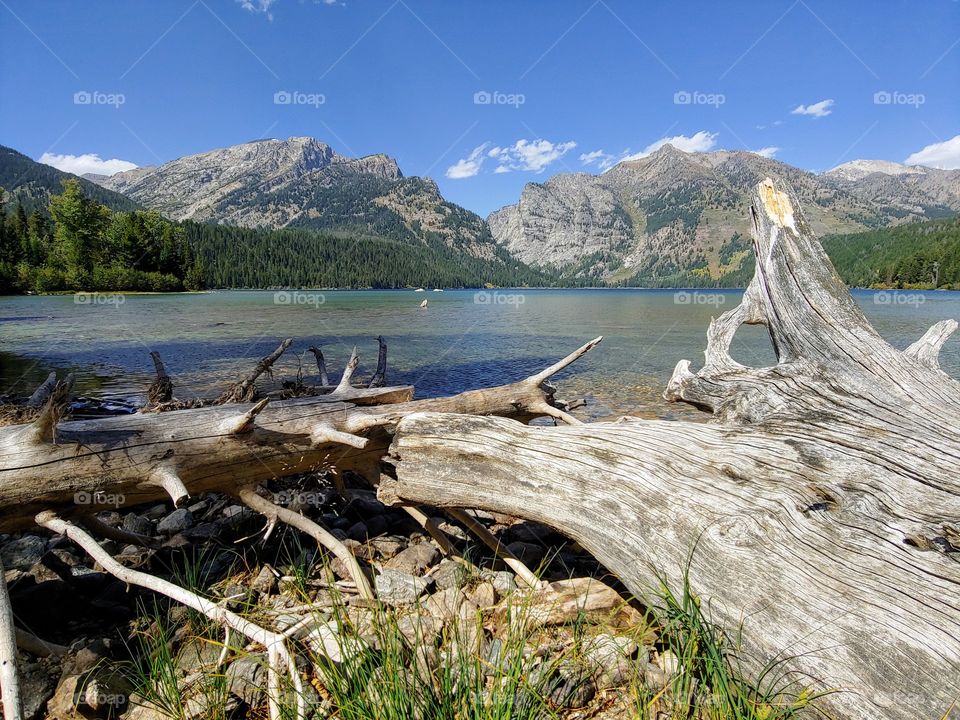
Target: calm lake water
x=462, y=340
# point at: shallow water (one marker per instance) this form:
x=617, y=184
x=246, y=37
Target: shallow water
x=462, y=340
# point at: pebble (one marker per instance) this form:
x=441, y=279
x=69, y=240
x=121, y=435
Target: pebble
x=395, y=587
x=137, y=524
x=247, y=678
x=23, y=553
x=415, y=559
x=176, y=522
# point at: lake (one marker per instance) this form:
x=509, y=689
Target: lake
x=462, y=340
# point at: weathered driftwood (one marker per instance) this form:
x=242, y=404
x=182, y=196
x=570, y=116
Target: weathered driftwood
x=820, y=507
x=78, y=467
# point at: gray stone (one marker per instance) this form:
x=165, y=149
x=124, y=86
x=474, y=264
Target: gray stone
x=449, y=574
x=176, y=522
x=358, y=532
x=265, y=581
x=247, y=678
x=137, y=524
x=415, y=559
x=610, y=656
x=395, y=587
x=529, y=553
x=23, y=553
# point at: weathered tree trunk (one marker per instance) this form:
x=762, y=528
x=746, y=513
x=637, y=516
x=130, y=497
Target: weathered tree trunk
x=820, y=507
x=83, y=466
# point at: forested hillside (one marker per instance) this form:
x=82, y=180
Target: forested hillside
x=75, y=243
x=245, y=258
x=914, y=255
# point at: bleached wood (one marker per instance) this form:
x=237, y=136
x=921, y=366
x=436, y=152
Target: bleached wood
x=821, y=505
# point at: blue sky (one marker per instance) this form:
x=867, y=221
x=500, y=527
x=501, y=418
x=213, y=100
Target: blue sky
x=482, y=96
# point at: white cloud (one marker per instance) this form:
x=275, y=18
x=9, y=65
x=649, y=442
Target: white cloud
x=533, y=156
x=598, y=157
x=470, y=165
x=820, y=109
x=87, y=163
x=945, y=155
x=698, y=142
x=258, y=6
x=767, y=152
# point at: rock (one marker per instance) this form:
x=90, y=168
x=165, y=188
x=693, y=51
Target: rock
x=444, y=604
x=654, y=678
x=326, y=640
x=358, y=531
x=156, y=512
x=102, y=692
x=415, y=559
x=137, y=524
x=395, y=587
x=38, y=682
x=449, y=574
x=23, y=553
x=139, y=708
x=265, y=581
x=610, y=656
x=366, y=506
x=387, y=547
x=198, y=656
x=246, y=679
x=504, y=581
x=419, y=629
x=377, y=525
x=176, y=522
x=484, y=595
x=572, y=687
x=203, y=531
x=530, y=532
x=454, y=531
x=566, y=600
x=529, y=553
x=670, y=663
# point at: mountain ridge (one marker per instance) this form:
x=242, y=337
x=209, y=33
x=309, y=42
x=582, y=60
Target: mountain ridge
x=678, y=218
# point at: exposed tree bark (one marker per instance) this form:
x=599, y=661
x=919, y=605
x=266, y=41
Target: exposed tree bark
x=820, y=507
x=380, y=376
x=94, y=464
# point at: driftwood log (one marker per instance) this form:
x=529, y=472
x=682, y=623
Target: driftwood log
x=820, y=506
x=78, y=467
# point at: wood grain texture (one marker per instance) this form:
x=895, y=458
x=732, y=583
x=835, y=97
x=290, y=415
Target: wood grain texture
x=821, y=504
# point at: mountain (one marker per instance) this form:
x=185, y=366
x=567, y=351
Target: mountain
x=674, y=218
x=29, y=183
x=303, y=183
